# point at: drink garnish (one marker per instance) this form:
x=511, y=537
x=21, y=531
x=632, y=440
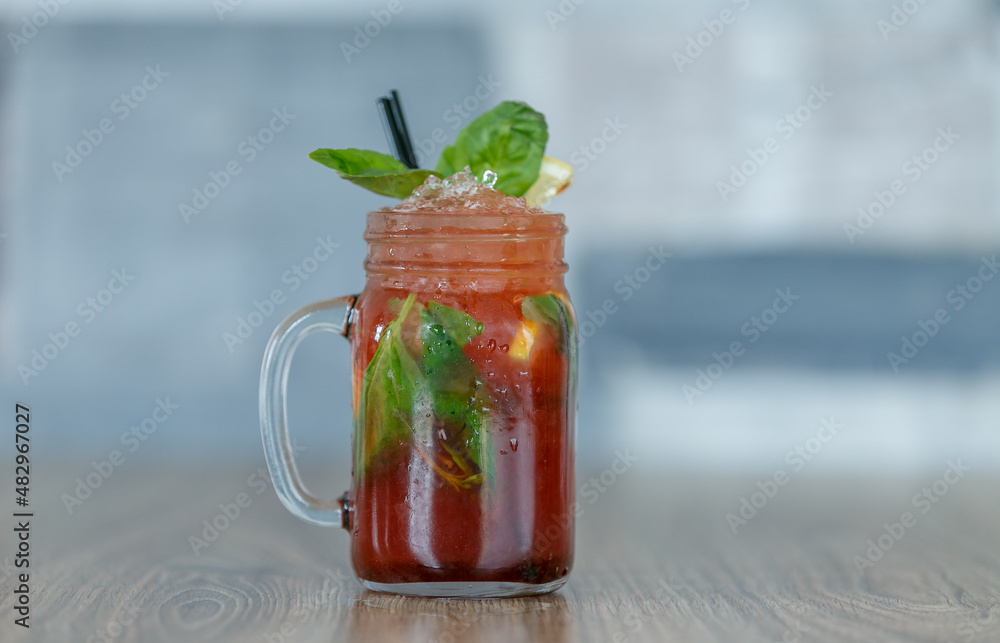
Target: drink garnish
x=553, y=177
x=373, y=171
x=508, y=140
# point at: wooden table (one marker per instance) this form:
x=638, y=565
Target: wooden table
x=657, y=560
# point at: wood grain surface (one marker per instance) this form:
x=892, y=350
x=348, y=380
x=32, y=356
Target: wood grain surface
x=656, y=561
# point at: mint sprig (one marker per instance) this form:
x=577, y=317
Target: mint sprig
x=509, y=140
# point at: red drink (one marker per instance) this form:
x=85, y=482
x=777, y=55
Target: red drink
x=464, y=375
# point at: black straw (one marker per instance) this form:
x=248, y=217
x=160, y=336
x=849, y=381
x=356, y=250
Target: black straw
x=396, y=131
x=397, y=110
x=389, y=125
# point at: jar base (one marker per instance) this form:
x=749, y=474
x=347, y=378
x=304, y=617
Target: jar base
x=465, y=590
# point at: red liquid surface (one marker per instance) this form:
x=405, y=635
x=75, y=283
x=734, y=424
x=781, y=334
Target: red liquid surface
x=410, y=523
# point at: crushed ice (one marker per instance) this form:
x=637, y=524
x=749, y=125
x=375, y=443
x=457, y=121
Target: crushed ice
x=462, y=191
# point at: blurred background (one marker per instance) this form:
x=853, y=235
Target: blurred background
x=815, y=180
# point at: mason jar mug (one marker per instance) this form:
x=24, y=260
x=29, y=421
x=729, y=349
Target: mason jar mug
x=464, y=358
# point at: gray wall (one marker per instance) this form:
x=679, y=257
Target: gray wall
x=653, y=184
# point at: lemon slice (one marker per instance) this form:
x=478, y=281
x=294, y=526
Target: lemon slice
x=554, y=177
x=520, y=347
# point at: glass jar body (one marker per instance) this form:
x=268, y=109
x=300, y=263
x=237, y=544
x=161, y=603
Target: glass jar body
x=464, y=381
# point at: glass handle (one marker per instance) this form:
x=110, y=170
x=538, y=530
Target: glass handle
x=321, y=316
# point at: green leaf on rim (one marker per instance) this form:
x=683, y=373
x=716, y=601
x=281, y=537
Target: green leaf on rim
x=509, y=139
x=374, y=171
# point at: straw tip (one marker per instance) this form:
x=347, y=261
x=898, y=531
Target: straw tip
x=396, y=131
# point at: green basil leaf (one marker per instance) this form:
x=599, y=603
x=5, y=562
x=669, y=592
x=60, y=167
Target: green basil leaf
x=457, y=390
x=374, y=171
x=509, y=139
x=441, y=397
x=547, y=309
x=554, y=313
x=352, y=161
x=458, y=325
x=393, y=393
